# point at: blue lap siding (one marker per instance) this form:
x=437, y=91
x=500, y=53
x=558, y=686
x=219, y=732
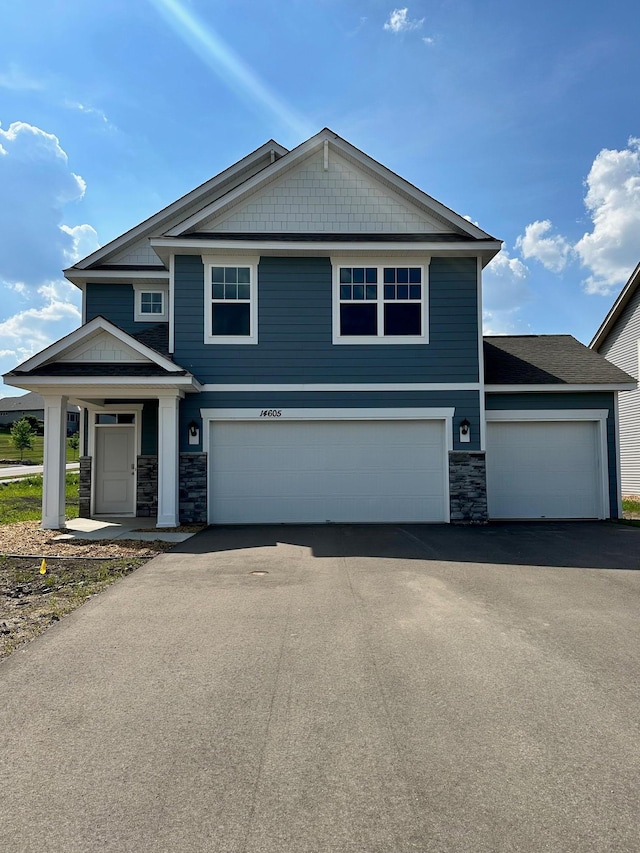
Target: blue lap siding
x=295, y=329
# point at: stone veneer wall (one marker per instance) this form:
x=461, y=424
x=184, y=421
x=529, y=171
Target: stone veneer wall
x=193, y=488
x=468, y=487
x=147, y=488
x=85, y=487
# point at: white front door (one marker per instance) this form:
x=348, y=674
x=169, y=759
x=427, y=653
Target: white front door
x=115, y=470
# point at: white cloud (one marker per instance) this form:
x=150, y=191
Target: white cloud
x=399, y=21
x=26, y=332
x=504, y=292
x=36, y=184
x=612, y=248
x=85, y=242
x=553, y=251
x=429, y=40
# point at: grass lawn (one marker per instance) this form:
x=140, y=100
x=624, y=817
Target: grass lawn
x=8, y=451
x=22, y=500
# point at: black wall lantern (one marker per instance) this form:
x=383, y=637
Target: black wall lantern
x=465, y=430
x=194, y=433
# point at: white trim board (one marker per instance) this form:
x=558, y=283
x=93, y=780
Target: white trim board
x=342, y=386
x=548, y=415
x=295, y=414
x=555, y=388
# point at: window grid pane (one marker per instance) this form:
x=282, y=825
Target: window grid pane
x=402, y=288
x=231, y=301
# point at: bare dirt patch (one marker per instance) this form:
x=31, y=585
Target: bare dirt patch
x=31, y=601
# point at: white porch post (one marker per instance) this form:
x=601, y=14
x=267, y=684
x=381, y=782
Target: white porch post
x=53, y=488
x=168, y=441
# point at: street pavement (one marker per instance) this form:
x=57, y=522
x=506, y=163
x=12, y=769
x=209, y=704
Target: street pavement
x=341, y=688
x=16, y=472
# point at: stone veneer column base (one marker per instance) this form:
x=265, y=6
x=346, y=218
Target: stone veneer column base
x=468, y=487
x=147, y=488
x=85, y=487
x=192, y=493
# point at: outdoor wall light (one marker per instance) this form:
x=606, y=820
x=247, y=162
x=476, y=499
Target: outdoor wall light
x=465, y=430
x=194, y=433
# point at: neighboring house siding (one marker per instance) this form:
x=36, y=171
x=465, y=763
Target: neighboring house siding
x=622, y=347
x=584, y=400
x=114, y=302
x=295, y=329
x=465, y=403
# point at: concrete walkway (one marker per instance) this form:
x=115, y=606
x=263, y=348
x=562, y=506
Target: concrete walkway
x=338, y=689
x=142, y=529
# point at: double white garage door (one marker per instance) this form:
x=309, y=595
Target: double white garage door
x=327, y=471
x=396, y=471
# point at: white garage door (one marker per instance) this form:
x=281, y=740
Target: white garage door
x=543, y=470
x=319, y=471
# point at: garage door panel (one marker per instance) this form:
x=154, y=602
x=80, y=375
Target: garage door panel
x=364, y=471
x=543, y=470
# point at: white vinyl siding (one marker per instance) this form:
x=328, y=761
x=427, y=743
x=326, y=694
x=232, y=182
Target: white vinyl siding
x=622, y=347
x=540, y=469
x=327, y=471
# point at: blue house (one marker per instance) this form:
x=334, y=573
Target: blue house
x=299, y=340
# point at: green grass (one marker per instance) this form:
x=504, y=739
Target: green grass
x=22, y=500
x=8, y=451
x=629, y=505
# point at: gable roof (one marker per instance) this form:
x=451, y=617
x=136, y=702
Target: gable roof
x=618, y=307
x=175, y=212
x=556, y=360
x=143, y=251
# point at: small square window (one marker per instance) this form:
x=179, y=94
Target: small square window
x=150, y=305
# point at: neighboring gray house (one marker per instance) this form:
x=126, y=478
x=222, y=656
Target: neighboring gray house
x=300, y=340
x=14, y=408
x=618, y=339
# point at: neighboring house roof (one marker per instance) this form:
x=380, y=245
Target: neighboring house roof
x=27, y=403
x=524, y=360
x=618, y=307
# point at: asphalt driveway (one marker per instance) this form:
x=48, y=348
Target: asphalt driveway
x=341, y=688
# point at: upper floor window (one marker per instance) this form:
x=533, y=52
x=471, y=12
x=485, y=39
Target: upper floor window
x=230, y=303
x=380, y=304
x=150, y=303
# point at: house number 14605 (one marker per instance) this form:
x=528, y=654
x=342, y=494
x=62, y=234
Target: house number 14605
x=271, y=413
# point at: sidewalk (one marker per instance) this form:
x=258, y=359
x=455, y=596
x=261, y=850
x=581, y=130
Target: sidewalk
x=18, y=472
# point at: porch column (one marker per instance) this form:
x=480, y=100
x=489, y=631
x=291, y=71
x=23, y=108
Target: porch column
x=53, y=487
x=168, y=441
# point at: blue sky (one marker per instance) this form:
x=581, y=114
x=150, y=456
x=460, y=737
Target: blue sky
x=523, y=117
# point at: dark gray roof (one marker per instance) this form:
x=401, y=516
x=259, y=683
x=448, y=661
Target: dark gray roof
x=98, y=368
x=327, y=237
x=547, y=360
x=156, y=337
x=28, y=403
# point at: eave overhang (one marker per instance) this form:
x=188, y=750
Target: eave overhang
x=165, y=247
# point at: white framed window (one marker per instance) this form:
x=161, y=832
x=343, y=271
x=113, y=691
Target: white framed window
x=150, y=303
x=230, y=300
x=381, y=303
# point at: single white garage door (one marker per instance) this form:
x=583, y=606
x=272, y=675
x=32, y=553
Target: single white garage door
x=264, y=472
x=543, y=470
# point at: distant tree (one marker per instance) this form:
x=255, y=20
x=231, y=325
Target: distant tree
x=74, y=443
x=22, y=436
x=34, y=423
